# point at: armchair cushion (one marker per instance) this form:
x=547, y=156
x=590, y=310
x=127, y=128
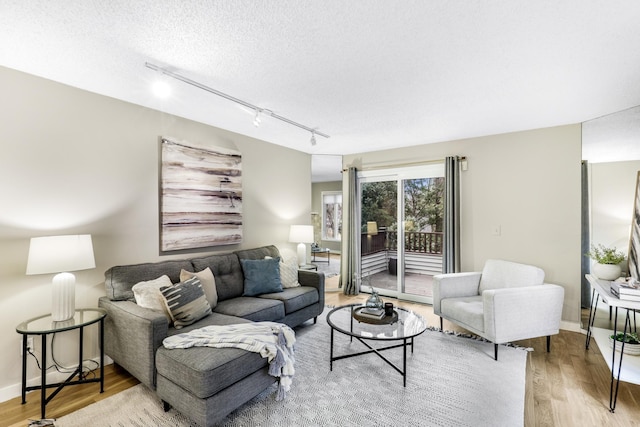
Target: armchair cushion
x=498, y=274
x=468, y=311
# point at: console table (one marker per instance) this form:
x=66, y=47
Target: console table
x=602, y=289
x=45, y=325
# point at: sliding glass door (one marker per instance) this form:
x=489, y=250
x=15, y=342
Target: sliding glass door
x=401, y=221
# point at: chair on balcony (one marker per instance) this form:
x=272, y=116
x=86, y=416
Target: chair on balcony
x=505, y=302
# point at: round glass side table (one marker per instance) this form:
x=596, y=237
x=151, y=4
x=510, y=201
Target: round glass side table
x=45, y=325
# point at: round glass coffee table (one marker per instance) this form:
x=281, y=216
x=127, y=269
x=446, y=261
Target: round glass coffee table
x=403, y=326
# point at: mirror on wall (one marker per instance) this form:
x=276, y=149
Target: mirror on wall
x=326, y=193
x=611, y=151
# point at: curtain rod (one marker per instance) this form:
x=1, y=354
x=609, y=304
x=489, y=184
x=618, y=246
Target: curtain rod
x=375, y=166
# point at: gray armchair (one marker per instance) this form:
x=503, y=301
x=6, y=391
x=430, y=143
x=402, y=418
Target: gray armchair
x=505, y=302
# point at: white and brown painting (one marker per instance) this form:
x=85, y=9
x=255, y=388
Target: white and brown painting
x=634, y=244
x=200, y=196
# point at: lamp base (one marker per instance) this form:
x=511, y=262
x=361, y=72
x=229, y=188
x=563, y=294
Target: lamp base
x=302, y=254
x=63, y=304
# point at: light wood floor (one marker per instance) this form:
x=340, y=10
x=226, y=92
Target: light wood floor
x=567, y=387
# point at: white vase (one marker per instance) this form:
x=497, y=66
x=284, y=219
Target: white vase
x=607, y=271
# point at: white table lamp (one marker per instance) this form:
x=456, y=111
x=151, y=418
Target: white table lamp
x=301, y=234
x=61, y=254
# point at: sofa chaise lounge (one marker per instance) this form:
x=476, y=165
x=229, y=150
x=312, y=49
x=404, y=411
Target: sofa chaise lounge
x=203, y=383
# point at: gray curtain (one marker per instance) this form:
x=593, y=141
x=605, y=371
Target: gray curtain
x=350, y=234
x=585, y=240
x=451, y=250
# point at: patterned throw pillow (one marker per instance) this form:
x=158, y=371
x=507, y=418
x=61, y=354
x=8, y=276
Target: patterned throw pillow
x=186, y=302
x=207, y=281
x=261, y=276
x=148, y=295
x=289, y=273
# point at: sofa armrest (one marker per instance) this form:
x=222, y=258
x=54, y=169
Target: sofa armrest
x=454, y=285
x=132, y=336
x=512, y=314
x=314, y=279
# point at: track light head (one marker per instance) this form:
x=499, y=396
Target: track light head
x=256, y=119
x=313, y=138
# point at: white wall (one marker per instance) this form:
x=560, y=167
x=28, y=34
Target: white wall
x=76, y=162
x=528, y=183
x=612, y=191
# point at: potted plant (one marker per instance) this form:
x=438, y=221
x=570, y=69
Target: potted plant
x=607, y=266
x=631, y=342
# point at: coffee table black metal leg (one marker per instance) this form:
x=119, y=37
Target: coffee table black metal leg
x=331, y=353
x=404, y=361
x=351, y=326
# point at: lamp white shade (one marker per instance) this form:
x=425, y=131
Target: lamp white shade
x=61, y=254
x=301, y=234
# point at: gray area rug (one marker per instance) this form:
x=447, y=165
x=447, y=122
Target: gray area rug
x=452, y=381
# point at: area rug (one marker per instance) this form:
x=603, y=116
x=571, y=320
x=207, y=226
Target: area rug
x=452, y=381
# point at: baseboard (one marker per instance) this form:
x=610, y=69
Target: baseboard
x=15, y=390
x=570, y=326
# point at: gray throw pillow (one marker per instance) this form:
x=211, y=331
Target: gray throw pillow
x=186, y=302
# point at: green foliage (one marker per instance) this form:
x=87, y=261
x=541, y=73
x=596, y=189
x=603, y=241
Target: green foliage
x=630, y=338
x=603, y=255
x=424, y=204
x=379, y=204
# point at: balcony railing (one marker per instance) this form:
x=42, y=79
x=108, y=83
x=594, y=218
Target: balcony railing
x=419, y=242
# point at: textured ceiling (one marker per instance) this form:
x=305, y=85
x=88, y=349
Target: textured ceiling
x=373, y=74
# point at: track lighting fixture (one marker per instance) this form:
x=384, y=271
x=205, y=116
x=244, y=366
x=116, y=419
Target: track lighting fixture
x=258, y=110
x=256, y=119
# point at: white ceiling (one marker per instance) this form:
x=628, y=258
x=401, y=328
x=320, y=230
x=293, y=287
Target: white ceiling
x=373, y=74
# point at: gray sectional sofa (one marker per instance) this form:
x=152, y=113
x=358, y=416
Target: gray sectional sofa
x=203, y=383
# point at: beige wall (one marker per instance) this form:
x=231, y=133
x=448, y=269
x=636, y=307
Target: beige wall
x=528, y=183
x=76, y=162
x=612, y=191
x=316, y=206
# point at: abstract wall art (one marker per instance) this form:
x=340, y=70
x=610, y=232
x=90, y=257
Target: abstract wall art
x=200, y=196
x=634, y=241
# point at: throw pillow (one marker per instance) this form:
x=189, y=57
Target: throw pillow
x=186, y=302
x=289, y=273
x=207, y=281
x=148, y=295
x=261, y=276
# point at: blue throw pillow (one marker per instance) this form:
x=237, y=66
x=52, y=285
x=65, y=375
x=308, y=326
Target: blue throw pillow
x=261, y=276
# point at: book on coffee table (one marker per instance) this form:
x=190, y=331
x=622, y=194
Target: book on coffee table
x=373, y=313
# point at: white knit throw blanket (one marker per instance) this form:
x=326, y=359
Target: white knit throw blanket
x=272, y=340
